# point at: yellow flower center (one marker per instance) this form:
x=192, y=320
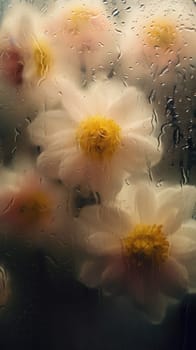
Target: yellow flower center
x=79, y=18
x=98, y=137
x=161, y=33
x=35, y=206
x=146, y=245
x=42, y=58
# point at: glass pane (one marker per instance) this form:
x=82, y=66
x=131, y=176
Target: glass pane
x=97, y=174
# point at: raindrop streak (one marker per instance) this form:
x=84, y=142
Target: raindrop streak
x=115, y=12
x=152, y=96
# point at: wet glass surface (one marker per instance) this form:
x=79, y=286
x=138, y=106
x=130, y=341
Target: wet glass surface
x=97, y=174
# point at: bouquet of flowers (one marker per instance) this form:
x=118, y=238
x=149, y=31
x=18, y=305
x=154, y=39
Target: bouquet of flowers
x=94, y=106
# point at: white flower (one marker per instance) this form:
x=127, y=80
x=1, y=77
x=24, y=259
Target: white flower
x=158, y=54
x=86, y=34
x=30, y=65
x=145, y=251
x=158, y=43
x=96, y=138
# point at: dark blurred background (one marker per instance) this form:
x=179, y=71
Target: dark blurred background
x=49, y=310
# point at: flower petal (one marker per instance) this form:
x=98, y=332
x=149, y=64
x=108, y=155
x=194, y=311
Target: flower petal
x=46, y=124
x=183, y=199
x=106, y=179
x=182, y=247
x=114, y=277
x=103, y=243
x=74, y=102
x=138, y=152
x=90, y=274
x=144, y=289
x=106, y=219
x=155, y=308
x=125, y=109
x=49, y=162
x=189, y=229
x=102, y=95
x=142, y=127
x=171, y=221
x=48, y=165
x=145, y=202
x=173, y=278
x=72, y=169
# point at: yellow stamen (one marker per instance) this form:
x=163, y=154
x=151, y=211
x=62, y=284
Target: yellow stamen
x=35, y=206
x=42, y=58
x=98, y=137
x=161, y=33
x=146, y=245
x=80, y=18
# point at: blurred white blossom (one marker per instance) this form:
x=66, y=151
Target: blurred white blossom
x=144, y=248
x=158, y=43
x=86, y=34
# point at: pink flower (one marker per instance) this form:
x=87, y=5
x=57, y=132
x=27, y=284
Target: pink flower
x=30, y=205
